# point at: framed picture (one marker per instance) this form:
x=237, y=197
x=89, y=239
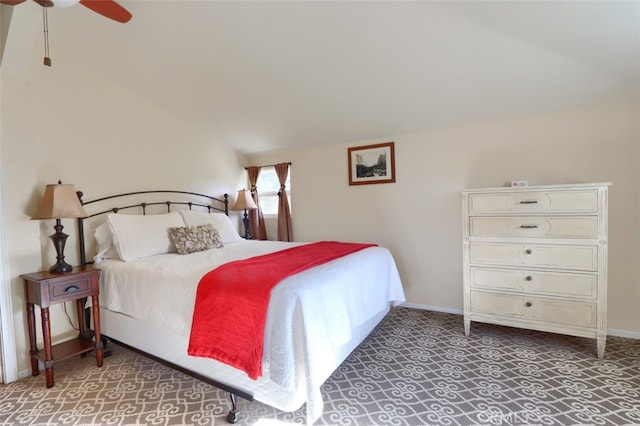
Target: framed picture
x=372, y=164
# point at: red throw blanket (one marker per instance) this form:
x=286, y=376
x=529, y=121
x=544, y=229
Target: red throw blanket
x=232, y=300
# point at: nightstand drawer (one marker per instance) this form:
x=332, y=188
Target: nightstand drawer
x=70, y=289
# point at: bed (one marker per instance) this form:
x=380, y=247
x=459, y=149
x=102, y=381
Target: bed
x=314, y=318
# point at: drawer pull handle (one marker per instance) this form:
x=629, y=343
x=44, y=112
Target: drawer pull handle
x=528, y=226
x=528, y=304
x=528, y=278
x=71, y=289
x=529, y=202
x=528, y=251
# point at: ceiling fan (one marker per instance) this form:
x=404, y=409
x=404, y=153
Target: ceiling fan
x=108, y=8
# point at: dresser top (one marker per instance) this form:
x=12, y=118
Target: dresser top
x=542, y=187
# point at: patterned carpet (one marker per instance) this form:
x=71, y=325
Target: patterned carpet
x=416, y=368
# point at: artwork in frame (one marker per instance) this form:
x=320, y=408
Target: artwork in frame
x=372, y=164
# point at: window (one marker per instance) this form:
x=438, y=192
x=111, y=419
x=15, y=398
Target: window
x=268, y=187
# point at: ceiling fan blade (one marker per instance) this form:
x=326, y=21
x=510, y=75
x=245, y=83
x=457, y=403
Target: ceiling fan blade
x=11, y=2
x=108, y=8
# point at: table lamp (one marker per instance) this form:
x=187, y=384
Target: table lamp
x=245, y=202
x=59, y=201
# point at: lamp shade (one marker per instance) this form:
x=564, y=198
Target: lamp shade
x=244, y=201
x=59, y=201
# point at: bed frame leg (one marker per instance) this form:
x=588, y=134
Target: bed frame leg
x=231, y=416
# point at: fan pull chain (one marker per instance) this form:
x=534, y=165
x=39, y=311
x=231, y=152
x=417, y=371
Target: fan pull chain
x=45, y=19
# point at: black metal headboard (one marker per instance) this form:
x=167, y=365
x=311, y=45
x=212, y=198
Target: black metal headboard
x=179, y=198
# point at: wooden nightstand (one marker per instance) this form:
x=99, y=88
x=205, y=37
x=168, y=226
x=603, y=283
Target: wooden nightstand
x=47, y=288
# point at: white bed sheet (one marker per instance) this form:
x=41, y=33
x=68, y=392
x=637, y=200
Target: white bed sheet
x=314, y=320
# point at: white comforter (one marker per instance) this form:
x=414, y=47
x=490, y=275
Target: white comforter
x=309, y=315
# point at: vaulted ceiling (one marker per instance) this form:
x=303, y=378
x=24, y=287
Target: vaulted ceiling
x=268, y=75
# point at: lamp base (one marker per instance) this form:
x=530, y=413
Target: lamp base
x=61, y=266
x=245, y=220
x=59, y=240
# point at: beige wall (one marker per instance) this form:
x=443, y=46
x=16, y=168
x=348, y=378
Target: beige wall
x=70, y=123
x=419, y=217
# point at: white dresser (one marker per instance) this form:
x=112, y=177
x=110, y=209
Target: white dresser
x=536, y=257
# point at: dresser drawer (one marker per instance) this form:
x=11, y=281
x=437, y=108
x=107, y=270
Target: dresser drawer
x=523, y=201
x=531, y=281
x=535, y=255
x=565, y=312
x=534, y=226
x=70, y=289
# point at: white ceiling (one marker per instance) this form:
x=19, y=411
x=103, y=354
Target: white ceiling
x=273, y=74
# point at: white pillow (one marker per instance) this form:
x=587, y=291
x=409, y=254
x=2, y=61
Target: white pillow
x=136, y=236
x=104, y=240
x=220, y=221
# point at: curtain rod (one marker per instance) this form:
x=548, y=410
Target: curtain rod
x=268, y=165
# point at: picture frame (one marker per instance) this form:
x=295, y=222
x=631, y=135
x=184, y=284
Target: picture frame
x=371, y=164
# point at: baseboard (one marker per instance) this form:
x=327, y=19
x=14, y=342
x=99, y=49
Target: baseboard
x=624, y=333
x=432, y=308
x=610, y=331
x=22, y=374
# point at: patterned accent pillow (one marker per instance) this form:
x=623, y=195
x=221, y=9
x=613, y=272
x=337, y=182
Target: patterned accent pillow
x=195, y=238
